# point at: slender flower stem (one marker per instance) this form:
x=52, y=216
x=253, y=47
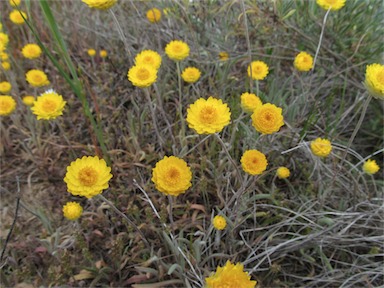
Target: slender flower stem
x=121, y=33
x=248, y=44
x=180, y=106
x=154, y=120
x=321, y=38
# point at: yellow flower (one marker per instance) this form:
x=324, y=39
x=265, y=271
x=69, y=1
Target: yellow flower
x=249, y=102
x=303, y=61
x=333, y=4
x=177, y=50
x=374, y=80
x=219, y=222
x=7, y=105
x=254, y=162
x=6, y=65
x=154, y=15
x=72, y=210
x=208, y=116
x=100, y=4
x=321, y=147
x=87, y=176
x=5, y=87
x=191, y=74
x=230, y=276
x=267, y=118
x=31, y=51
x=103, y=53
x=283, y=172
x=91, y=52
x=148, y=57
x=142, y=75
x=16, y=17
x=259, y=70
x=223, y=56
x=48, y=105
x=4, y=56
x=37, y=78
x=14, y=3
x=4, y=40
x=172, y=176
x=28, y=100
x=370, y=167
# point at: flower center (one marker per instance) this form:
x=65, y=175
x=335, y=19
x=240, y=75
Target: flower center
x=254, y=160
x=177, y=48
x=305, y=59
x=88, y=176
x=173, y=175
x=268, y=117
x=5, y=105
x=148, y=59
x=208, y=115
x=257, y=69
x=49, y=106
x=143, y=74
x=38, y=78
x=380, y=77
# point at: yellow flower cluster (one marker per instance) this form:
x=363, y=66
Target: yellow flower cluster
x=230, y=275
x=208, y=116
x=48, y=105
x=100, y=4
x=144, y=73
x=219, y=222
x=154, y=15
x=303, y=61
x=72, y=210
x=4, y=40
x=7, y=105
x=172, y=176
x=254, y=162
x=87, y=176
x=177, y=50
x=374, y=80
x=191, y=74
x=31, y=51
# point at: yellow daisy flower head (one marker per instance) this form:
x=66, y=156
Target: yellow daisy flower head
x=14, y=3
x=16, y=17
x=283, y=172
x=91, y=52
x=6, y=65
x=100, y=4
x=154, y=15
x=267, y=118
x=87, y=176
x=103, y=53
x=37, y=78
x=333, y=4
x=223, y=56
x=72, y=210
x=148, y=57
x=259, y=70
x=142, y=75
x=31, y=51
x=321, y=147
x=254, y=162
x=4, y=40
x=249, y=102
x=370, y=167
x=230, y=275
x=177, y=50
x=303, y=61
x=374, y=80
x=28, y=100
x=4, y=56
x=172, y=176
x=5, y=87
x=7, y=105
x=208, y=116
x=219, y=222
x=48, y=105
x=191, y=74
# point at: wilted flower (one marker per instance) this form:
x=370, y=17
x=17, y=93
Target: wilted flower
x=87, y=176
x=172, y=176
x=259, y=70
x=191, y=74
x=254, y=162
x=208, y=116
